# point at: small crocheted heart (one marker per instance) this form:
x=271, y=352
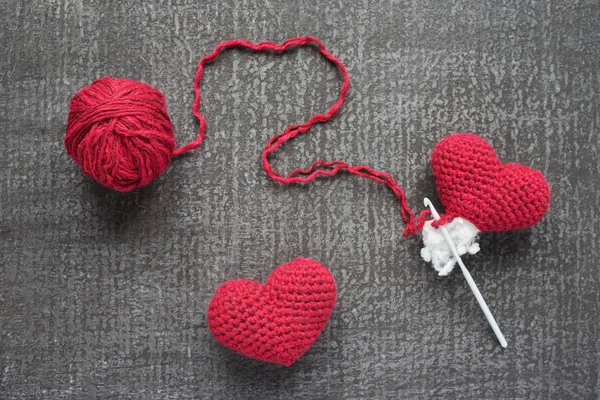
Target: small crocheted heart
x=472, y=183
x=276, y=322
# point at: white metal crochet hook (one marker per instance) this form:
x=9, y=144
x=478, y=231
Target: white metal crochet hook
x=468, y=277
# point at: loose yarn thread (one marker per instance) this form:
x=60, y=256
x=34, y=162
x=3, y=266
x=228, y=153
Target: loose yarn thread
x=319, y=167
x=120, y=134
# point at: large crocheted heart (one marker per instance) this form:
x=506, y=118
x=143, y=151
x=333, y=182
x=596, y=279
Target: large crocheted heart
x=276, y=322
x=472, y=183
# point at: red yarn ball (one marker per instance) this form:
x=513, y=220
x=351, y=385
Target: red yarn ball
x=119, y=133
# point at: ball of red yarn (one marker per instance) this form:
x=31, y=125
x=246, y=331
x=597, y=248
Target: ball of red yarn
x=119, y=132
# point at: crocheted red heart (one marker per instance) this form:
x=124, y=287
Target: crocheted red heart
x=276, y=322
x=472, y=183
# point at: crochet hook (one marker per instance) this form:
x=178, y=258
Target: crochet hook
x=468, y=277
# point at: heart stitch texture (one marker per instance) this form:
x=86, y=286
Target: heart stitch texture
x=276, y=322
x=472, y=183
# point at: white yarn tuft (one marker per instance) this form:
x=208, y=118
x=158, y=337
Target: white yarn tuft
x=436, y=250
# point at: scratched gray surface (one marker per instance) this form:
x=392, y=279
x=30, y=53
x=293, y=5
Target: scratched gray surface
x=103, y=295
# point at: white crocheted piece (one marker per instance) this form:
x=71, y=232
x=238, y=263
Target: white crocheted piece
x=436, y=250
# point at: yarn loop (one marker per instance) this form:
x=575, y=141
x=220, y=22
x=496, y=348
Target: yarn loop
x=319, y=167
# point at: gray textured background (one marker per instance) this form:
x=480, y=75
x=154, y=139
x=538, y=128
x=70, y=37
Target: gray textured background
x=103, y=294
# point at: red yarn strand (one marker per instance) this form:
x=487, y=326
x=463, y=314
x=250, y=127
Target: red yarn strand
x=319, y=167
